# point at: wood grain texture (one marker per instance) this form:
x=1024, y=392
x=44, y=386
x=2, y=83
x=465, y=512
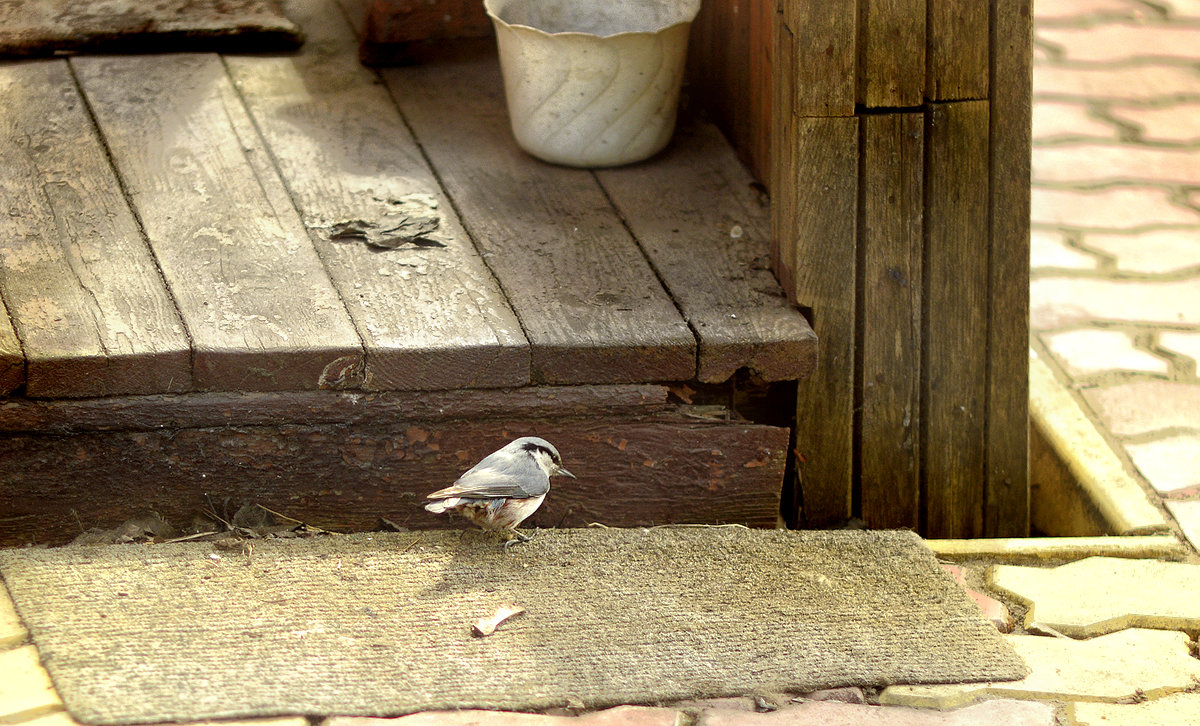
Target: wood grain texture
x=633, y=471
x=430, y=317
x=891, y=53
x=824, y=56
x=12, y=357
x=81, y=285
x=255, y=297
x=956, y=56
x=1006, y=499
x=705, y=229
x=403, y=31
x=889, y=319
x=590, y=305
x=954, y=368
x=729, y=73
x=824, y=197
x=783, y=163
x=226, y=409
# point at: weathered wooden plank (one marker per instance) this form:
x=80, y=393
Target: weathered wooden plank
x=225, y=409
x=1006, y=499
x=252, y=291
x=404, y=31
x=591, y=307
x=824, y=196
x=956, y=55
x=823, y=56
x=783, y=162
x=954, y=365
x=891, y=53
x=12, y=357
x=889, y=319
x=633, y=471
x=430, y=316
x=704, y=228
x=81, y=285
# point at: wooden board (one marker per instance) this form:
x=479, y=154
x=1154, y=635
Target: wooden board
x=891, y=53
x=823, y=56
x=404, y=31
x=80, y=283
x=956, y=56
x=889, y=318
x=823, y=196
x=783, y=163
x=591, y=307
x=954, y=368
x=705, y=229
x=256, y=300
x=430, y=317
x=1006, y=498
x=633, y=471
x=12, y=358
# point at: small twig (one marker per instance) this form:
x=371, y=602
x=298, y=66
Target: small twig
x=410, y=545
x=282, y=516
x=186, y=537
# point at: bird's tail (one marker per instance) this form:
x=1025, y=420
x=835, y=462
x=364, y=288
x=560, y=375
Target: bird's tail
x=441, y=505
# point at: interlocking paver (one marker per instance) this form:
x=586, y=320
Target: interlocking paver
x=1087, y=11
x=994, y=610
x=1049, y=248
x=1187, y=513
x=1180, y=709
x=1176, y=123
x=1090, y=351
x=12, y=631
x=1142, y=407
x=1007, y=712
x=62, y=718
x=1123, y=42
x=1134, y=85
x=25, y=689
x=619, y=716
x=1109, y=209
x=1159, y=251
x=1101, y=595
x=1066, y=120
x=1085, y=163
x=1181, y=342
x=1169, y=464
x=1121, y=666
x=1063, y=301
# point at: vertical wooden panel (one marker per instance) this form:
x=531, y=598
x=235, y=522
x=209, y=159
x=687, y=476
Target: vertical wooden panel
x=85, y=294
x=823, y=57
x=824, y=197
x=891, y=53
x=783, y=163
x=956, y=62
x=1006, y=497
x=889, y=318
x=954, y=366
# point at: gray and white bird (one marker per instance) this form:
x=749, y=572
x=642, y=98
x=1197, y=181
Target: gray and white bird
x=504, y=488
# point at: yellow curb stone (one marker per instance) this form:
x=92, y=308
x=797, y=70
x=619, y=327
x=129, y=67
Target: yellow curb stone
x=1105, y=594
x=12, y=631
x=1115, y=492
x=1044, y=549
x=25, y=688
x=1116, y=667
x=1180, y=709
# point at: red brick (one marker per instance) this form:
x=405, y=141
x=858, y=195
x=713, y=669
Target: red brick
x=1177, y=123
x=1121, y=42
x=1057, y=302
x=1137, y=84
x=1065, y=120
x=1113, y=208
x=1088, y=163
x=1142, y=407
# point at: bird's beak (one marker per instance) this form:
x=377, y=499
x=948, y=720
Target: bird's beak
x=564, y=472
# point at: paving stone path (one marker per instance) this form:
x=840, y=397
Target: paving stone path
x=1115, y=298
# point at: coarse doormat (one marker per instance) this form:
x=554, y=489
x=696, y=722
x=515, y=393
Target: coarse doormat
x=31, y=28
x=381, y=624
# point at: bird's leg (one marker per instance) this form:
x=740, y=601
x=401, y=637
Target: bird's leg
x=517, y=537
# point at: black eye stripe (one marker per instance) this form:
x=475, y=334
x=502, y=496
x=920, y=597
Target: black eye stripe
x=535, y=447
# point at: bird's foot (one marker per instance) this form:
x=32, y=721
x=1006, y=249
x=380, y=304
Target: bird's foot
x=517, y=537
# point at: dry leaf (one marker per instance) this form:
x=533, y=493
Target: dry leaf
x=487, y=626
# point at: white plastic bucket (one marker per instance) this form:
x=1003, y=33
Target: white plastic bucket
x=592, y=83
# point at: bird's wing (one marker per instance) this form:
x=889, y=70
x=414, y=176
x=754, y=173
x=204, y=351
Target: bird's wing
x=499, y=476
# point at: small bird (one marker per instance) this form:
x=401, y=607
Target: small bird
x=504, y=488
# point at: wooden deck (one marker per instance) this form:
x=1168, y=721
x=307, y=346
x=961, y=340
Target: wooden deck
x=170, y=229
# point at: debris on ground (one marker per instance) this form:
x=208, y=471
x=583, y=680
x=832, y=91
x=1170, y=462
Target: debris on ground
x=486, y=626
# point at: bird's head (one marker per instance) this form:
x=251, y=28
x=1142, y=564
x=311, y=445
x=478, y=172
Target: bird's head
x=543, y=452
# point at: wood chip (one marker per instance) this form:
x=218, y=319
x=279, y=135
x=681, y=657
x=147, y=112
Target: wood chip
x=487, y=626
